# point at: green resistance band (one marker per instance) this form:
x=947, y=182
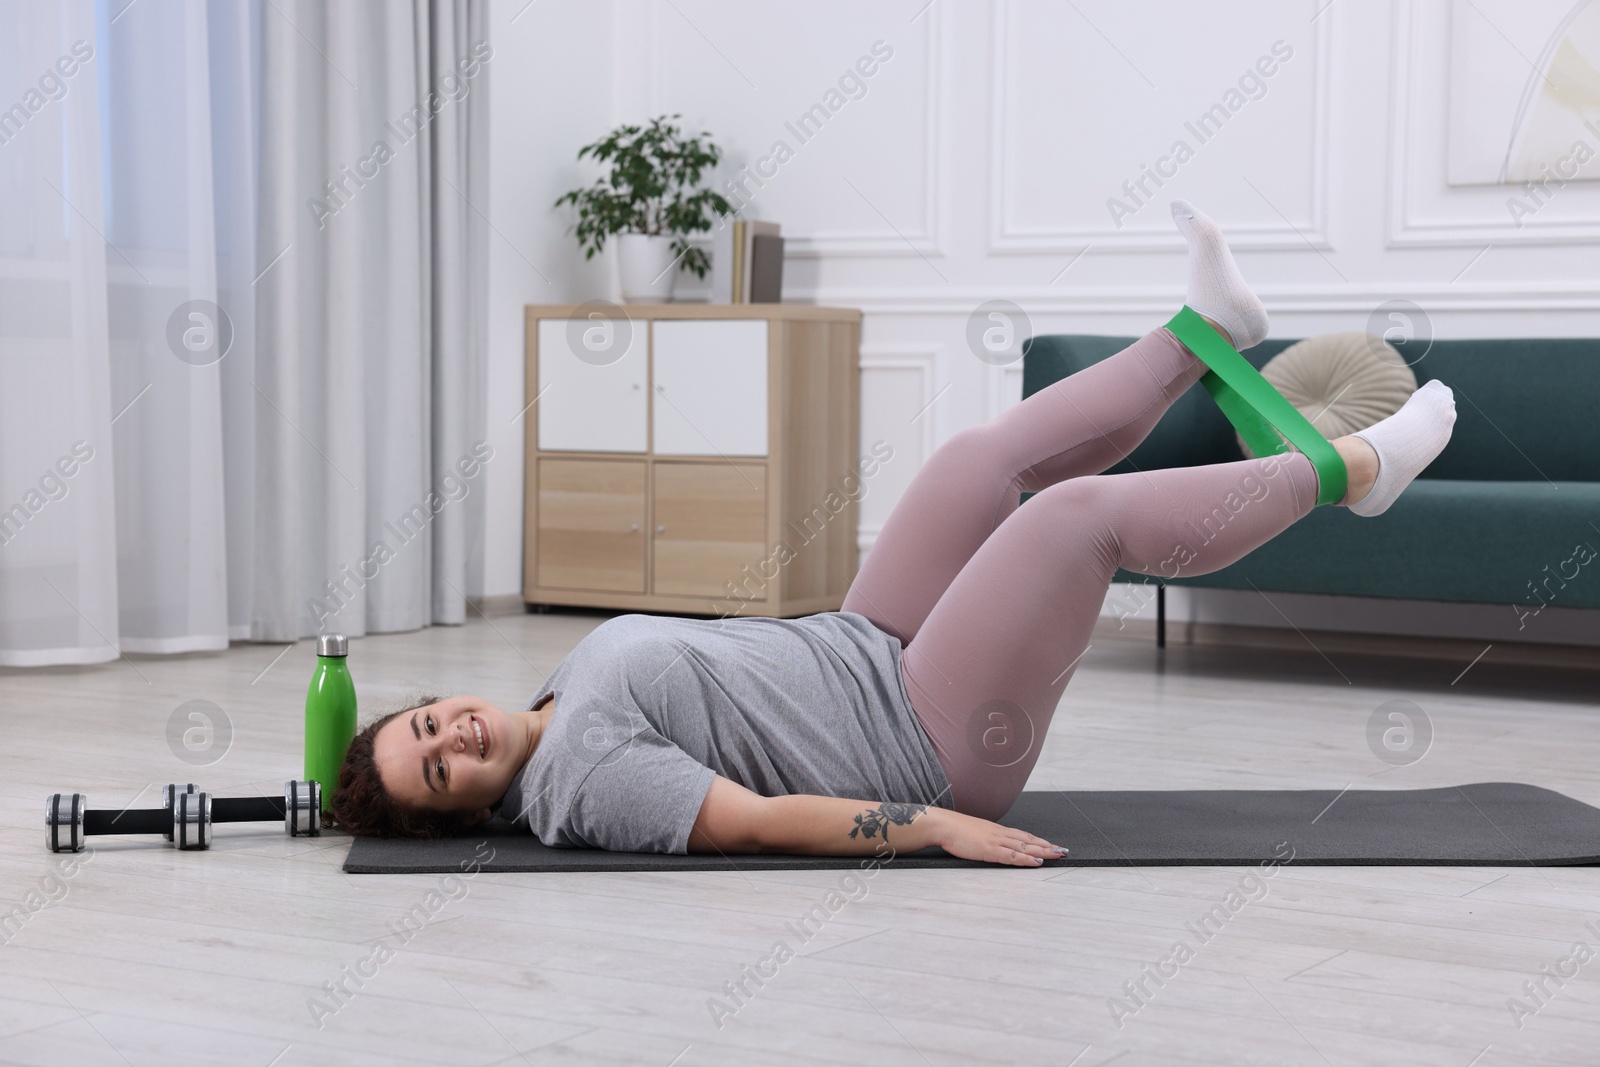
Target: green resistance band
x=1257, y=410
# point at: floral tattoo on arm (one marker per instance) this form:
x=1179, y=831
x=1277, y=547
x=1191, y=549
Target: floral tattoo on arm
x=875, y=823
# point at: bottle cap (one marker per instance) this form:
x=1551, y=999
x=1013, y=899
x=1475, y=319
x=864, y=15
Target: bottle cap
x=332, y=645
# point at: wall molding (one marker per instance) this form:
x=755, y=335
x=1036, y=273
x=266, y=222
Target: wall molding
x=925, y=241
x=1001, y=383
x=925, y=360
x=1003, y=239
x=946, y=300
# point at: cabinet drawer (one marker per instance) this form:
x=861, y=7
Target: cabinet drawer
x=710, y=378
x=591, y=385
x=591, y=524
x=711, y=523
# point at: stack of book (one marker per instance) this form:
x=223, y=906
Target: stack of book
x=747, y=263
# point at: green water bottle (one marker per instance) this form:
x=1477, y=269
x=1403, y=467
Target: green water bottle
x=330, y=715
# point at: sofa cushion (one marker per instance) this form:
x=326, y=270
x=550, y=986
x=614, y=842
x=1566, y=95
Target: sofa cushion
x=1524, y=406
x=1341, y=382
x=1521, y=544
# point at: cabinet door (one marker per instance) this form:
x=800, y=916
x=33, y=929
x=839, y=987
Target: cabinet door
x=710, y=387
x=591, y=398
x=711, y=523
x=591, y=524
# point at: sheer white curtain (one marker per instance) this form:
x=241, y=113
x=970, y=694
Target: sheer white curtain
x=241, y=342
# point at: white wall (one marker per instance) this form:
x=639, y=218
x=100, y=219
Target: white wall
x=978, y=163
x=550, y=91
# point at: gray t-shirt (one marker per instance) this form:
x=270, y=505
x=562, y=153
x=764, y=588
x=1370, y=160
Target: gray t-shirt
x=649, y=709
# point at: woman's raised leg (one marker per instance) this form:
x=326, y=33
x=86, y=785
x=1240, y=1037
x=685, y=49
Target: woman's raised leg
x=991, y=660
x=1081, y=425
x=988, y=667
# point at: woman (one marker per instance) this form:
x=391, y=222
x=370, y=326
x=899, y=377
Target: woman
x=913, y=716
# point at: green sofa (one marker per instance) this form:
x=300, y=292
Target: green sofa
x=1508, y=514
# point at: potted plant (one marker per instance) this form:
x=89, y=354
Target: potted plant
x=650, y=202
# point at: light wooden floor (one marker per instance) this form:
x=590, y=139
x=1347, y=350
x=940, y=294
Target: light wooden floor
x=158, y=957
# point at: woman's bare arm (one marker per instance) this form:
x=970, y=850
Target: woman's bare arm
x=735, y=819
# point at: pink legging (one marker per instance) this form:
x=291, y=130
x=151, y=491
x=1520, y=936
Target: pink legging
x=995, y=603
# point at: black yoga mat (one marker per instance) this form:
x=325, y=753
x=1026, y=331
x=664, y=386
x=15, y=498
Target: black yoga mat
x=1489, y=824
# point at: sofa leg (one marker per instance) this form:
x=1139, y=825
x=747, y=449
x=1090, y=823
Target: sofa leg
x=1161, y=615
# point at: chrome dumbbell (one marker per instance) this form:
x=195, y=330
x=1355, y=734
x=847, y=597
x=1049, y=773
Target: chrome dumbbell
x=185, y=818
x=68, y=820
x=300, y=808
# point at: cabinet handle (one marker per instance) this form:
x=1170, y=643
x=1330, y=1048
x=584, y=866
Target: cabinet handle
x=634, y=527
x=661, y=529
x=636, y=385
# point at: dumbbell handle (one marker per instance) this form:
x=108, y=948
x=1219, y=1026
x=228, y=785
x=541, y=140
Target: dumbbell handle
x=247, y=809
x=159, y=820
x=131, y=821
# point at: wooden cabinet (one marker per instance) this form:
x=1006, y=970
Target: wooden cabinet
x=602, y=400
x=710, y=521
x=694, y=459
x=710, y=392
x=591, y=515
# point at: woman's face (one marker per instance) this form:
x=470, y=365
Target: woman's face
x=457, y=755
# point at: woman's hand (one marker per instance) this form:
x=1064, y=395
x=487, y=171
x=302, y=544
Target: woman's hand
x=970, y=838
x=735, y=819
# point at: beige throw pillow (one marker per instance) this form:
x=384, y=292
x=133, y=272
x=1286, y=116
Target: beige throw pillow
x=1341, y=382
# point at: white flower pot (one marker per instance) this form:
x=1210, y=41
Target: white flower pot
x=646, y=264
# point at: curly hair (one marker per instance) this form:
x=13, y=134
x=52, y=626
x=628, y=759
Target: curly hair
x=361, y=804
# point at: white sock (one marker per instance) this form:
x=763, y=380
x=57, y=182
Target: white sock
x=1406, y=442
x=1216, y=288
